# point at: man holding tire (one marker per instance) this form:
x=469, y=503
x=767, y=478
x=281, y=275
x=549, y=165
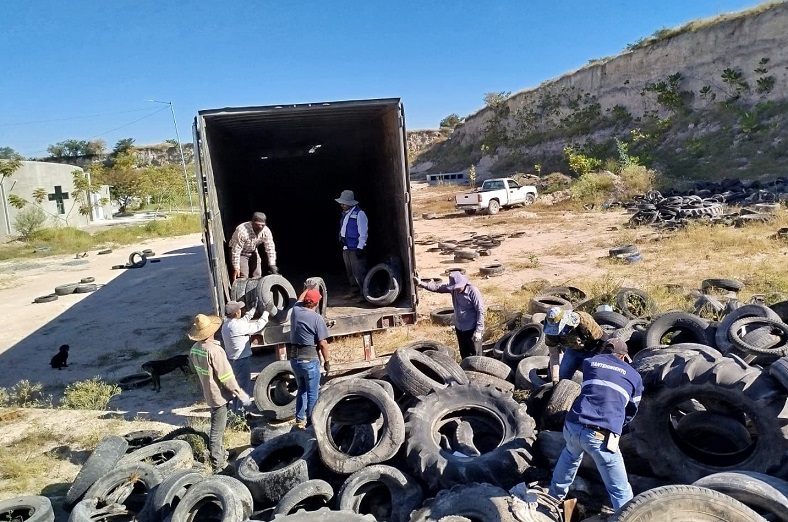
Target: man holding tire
x=216, y=380
x=577, y=333
x=353, y=234
x=308, y=334
x=469, y=310
x=244, y=243
x=608, y=401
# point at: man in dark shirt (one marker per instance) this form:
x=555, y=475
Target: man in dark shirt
x=608, y=400
x=308, y=334
x=469, y=311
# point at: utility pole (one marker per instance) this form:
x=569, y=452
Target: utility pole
x=180, y=149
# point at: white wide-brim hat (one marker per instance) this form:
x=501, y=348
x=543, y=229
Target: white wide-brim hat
x=347, y=198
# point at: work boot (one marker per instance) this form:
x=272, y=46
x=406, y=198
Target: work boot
x=300, y=424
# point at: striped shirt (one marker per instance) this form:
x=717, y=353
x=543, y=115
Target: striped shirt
x=245, y=241
x=214, y=372
x=610, y=395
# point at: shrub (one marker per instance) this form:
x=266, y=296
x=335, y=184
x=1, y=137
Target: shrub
x=592, y=188
x=92, y=394
x=636, y=179
x=25, y=394
x=29, y=221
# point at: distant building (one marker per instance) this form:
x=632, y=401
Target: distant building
x=60, y=204
x=449, y=178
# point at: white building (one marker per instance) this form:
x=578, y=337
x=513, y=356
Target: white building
x=61, y=205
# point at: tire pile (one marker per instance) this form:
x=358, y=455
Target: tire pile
x=469, y=249
x=708, y=202
x=84, y=286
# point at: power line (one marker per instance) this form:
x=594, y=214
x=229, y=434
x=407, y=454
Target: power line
x=127, y=124
x=72, y=118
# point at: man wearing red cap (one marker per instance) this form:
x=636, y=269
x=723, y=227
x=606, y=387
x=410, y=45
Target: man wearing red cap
x=308, y=334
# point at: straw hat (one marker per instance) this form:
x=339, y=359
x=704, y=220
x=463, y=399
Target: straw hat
x=204, y=326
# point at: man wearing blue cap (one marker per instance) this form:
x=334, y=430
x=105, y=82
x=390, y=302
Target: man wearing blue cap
x=469, y=311
x=577, y=333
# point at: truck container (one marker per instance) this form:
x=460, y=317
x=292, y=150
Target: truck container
x=291, y=162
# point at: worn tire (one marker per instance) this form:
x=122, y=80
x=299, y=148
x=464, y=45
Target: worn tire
x=690, y=327
x=726, y=383
x=505, y=453
x=263, y=390
x=487, y=365
x=324, y=515
x=169, y=493
x=85, y=288
x=526, y=341
x=390, y=438
x=543, y=303
x=531, y=372
x=277, y=291
x=212, y=491
x=761, y=492
x=85, y=280
x=622, y=250
x=135, y=380
x=45, y=298
x=415, y=373
x=495, y=269
x=443, y=316
x=124, y=480
x=635, y=303
x=37, y=509
x=779, y=371
x=382, y=285
x=137, y=260
x=684, y=504
x=484, y=380
x=318, y=284
x=308, y=496
x=722, y=335
x=564, y=395
x=140, y=438
x=358, y=491
x=475, y=501
x=101, y=461
x=168, y=456
x=66, y=289
x=731, y=285
x=776, y=325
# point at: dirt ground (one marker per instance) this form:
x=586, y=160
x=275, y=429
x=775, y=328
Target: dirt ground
x=141, y=314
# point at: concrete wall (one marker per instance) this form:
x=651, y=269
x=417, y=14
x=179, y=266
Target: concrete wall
x=37, y=174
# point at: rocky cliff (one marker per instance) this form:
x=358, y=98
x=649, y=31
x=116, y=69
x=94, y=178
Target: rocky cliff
x=707, y=99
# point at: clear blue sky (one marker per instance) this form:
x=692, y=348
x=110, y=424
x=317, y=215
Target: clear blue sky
x=83, y=68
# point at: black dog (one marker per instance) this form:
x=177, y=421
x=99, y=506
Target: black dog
x=60, y=359
x=158, y=368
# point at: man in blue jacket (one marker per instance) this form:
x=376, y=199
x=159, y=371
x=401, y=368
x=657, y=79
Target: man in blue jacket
x=608, y=400
x=353, y=233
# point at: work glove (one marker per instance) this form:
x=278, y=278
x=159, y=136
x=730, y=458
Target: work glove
x=246, y=401
x=271, y=308
x=264, y=315
x=477, y=336
x=273, y=269
x=327, y=366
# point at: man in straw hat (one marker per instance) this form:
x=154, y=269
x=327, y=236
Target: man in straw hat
x=246, y=239
x=577, y=334
x=308, y=334
x=353, y=233
x=217, y=381
x=608, y=401
x=469, y=310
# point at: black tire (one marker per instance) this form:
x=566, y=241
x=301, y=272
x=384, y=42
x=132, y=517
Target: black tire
x=27, y=509
x=382, y=285
x=266, y=432
x=416, y=374
x=564, y=395
x=274, y=468
x=543, y=303
x=118, y=485
x=206, y=493
x=484, y=380
x=749, y=348
x=609, y=318
x=102, y=460
x=622, y=250
x=390, y=437
x=308, y=496
x=470, y=211
x=187, y=434
x=359, y=491
x=168, y=456
x=531, y=373
x=105, y=251
x=668, y=327
x=140, y=438
x=463, y=254
x=423, y=345
x=169, y=493
x=499, y=345
x=684, y=504
x=779, y=371
x=781, y=309
x=477, y=501
x=731, y=285
x=443, y=316
x=449, y=364
x=761, y=492
x=722, y=335
x=135, y=380
x=487, y=365
x=277, y=291
x=66, y=289
x=118, y=267
x=526, y=341
x=711, y=432
x=652, y=362
x=492, y=270
x=570, y=293
x=725, y=385
x=504, y=437
x=137, y=260
x=85, y=280
x=85, y=288
x=45, y=298
x=353, y=410
x=493, y=207
x=263, y=388
x=635, y=303
x=324, y=515
x=318, y=284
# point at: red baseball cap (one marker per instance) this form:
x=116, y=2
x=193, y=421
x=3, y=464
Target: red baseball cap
x=312, y=296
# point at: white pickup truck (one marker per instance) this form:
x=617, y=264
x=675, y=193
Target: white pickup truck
x=494, y=194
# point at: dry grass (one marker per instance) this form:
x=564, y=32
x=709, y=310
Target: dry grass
x=438, y=199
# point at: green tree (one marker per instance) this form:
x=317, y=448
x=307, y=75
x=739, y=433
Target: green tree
x=579, y=162
x=123, y=178
x=123, y=145
x=77, y=148
x=10, y=161
x=451, y=121
x=164, y=184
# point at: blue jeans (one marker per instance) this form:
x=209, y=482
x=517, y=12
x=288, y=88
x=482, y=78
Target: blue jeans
x=307, y=375
x=243, y=375
x=580, y=440
x=573, y=361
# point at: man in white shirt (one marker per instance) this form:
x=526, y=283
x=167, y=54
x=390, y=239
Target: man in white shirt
x=237, y=330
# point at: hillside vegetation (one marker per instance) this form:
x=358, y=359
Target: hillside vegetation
x=703, y=101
